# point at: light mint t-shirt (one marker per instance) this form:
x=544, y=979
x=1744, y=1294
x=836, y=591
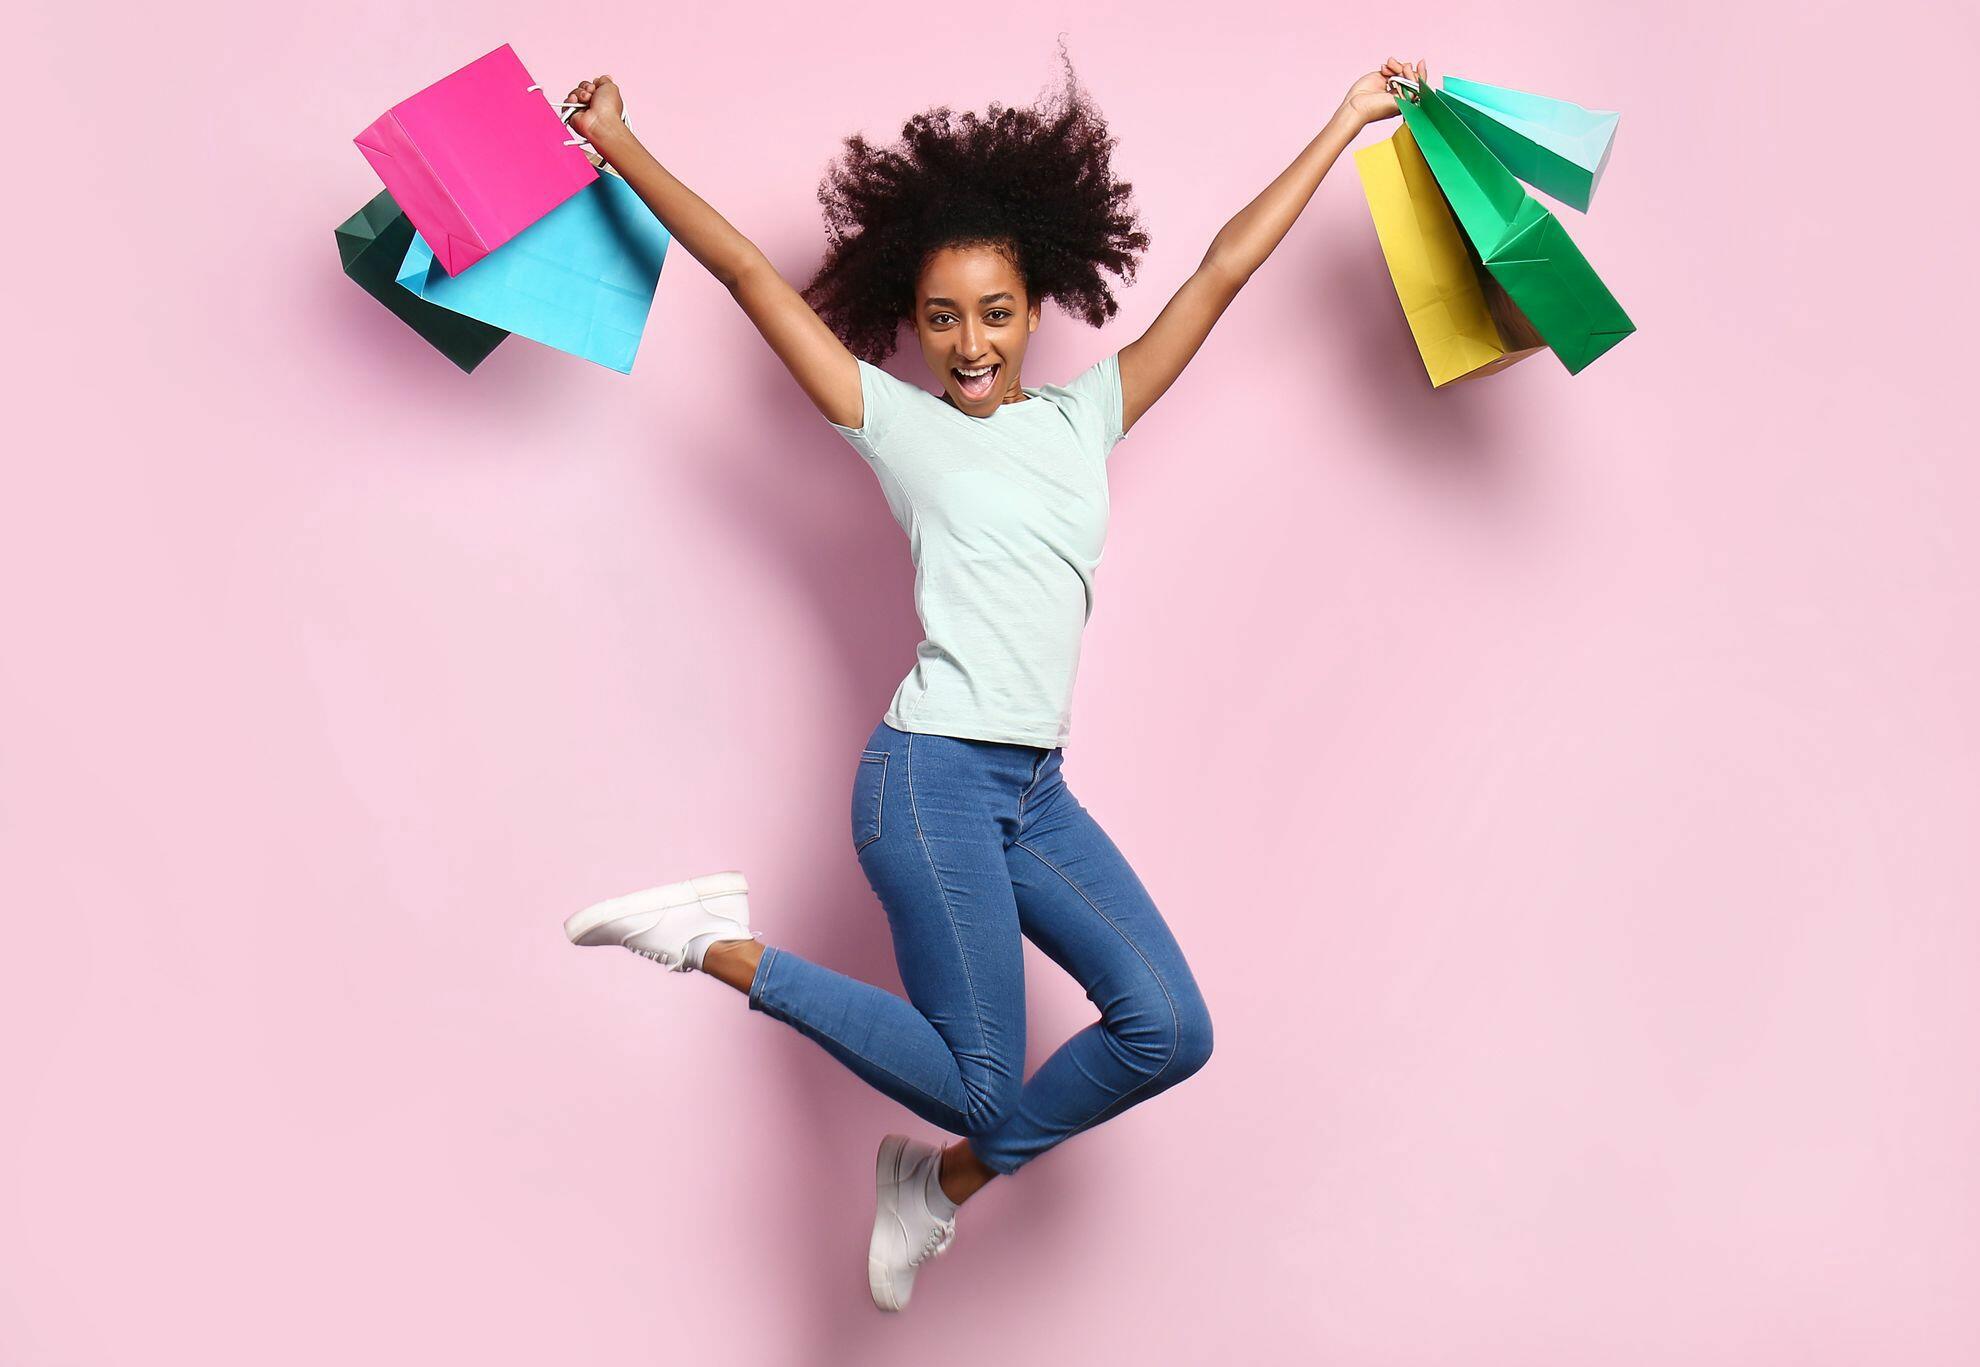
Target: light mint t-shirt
x=1005, y=517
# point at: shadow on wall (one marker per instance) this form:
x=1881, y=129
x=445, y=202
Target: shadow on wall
x=1463, y=434
x=362, y=349
x=788, y=487
x=812, y=507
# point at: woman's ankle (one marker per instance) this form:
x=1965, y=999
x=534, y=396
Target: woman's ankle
x=733, y=962
x=961, y=1173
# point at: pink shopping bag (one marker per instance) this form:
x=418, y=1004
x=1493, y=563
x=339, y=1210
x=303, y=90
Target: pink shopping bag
x=475, y=158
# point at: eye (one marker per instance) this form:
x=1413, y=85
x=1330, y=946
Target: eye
x=999, y=315
x=935, y=319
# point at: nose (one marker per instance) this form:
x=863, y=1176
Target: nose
x=971, y=341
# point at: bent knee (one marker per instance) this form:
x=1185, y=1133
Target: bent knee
x=991, y=1104
x=1194, y=1039
x=1173, y=1043
x=1168, y=1037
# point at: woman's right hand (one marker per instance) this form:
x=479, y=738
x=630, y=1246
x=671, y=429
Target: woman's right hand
x=603, y=107
x=1369, y=100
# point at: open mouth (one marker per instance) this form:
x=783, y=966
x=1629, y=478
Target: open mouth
x=976, y=382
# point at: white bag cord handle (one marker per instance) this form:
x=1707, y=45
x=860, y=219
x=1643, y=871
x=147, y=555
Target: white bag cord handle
x=1403, y=87
x=564, y=112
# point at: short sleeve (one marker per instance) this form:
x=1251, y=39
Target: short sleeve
x=1096, y=403
x=882, y=398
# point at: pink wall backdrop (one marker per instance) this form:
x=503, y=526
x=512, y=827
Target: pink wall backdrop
x=1567, y=788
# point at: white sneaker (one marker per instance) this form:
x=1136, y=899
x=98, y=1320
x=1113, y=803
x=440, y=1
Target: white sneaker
x=661, y=922
x=907, y=1230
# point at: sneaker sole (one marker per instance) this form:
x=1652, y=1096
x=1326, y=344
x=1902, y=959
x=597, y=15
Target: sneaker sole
x=886, y=1221
x=582, y=928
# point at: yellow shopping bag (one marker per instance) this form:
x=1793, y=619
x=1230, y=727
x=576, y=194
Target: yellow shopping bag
x=1464, y=324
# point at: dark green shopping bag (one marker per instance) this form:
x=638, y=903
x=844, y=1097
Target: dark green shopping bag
x=1521, y=243
x=373, y=243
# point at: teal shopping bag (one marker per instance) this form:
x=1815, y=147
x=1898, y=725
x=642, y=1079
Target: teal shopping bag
x=580, y=279
x=1552, y=145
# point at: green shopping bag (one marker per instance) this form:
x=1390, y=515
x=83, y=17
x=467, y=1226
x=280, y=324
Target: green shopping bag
x=1520, y=242
x=1552, y=145
x=373, y=242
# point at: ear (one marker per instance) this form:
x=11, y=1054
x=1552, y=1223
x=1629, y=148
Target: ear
x=1031, y=323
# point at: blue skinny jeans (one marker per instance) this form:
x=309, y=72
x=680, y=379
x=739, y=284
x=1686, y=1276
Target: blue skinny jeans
x=969, y=845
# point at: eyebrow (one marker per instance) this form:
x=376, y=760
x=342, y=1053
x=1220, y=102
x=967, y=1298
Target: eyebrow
x=986, y=299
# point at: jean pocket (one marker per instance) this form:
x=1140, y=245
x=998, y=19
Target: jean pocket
x=869, y=798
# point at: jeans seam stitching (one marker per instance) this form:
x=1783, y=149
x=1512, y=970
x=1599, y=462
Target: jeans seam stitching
x=1175, y=1018
x=962, y=956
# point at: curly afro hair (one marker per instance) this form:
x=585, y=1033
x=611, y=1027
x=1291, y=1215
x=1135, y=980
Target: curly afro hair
x=1035, y=182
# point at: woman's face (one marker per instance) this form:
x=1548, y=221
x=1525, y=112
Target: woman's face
x=973, y=318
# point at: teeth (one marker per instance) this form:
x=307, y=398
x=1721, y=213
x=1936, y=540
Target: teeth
x=974, y=374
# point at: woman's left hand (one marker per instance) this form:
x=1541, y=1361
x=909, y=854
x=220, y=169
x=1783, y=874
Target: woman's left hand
x=1368, y=99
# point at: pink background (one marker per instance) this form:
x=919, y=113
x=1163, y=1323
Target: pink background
x=1566, y=788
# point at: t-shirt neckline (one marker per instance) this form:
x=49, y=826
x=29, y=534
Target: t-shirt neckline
x=1030, y=396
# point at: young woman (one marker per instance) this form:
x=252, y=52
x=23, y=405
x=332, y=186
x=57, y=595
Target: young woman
x=961, y=817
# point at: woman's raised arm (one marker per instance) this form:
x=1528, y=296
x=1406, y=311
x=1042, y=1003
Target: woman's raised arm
x=1151, y=363
x=818, y=360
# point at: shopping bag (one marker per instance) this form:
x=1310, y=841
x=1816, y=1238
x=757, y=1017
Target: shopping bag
x=1552, y=145
x=476, y=158
x=579, y=279
x=1520, y=242
x=1443, y=289
x=373, y=242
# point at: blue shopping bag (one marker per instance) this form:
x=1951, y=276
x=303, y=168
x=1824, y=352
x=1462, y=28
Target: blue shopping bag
x=580, y=279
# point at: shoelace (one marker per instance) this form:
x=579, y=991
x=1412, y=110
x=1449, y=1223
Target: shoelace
x=938, y=1241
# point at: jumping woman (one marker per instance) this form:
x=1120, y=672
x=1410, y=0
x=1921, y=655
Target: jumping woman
x=961, y=817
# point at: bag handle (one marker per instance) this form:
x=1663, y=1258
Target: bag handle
x=1402, y=87
x=565, y=110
